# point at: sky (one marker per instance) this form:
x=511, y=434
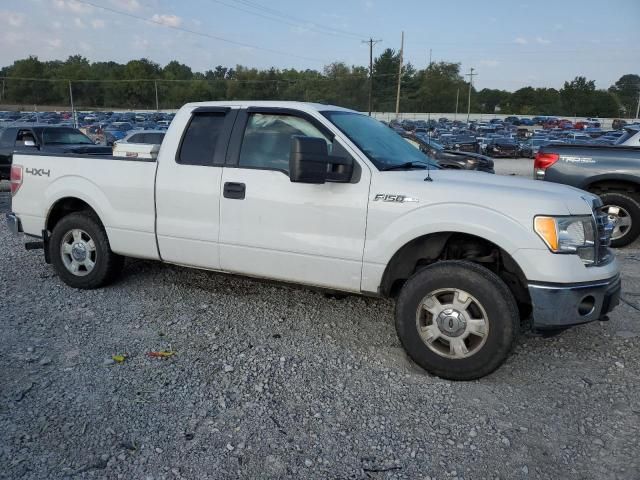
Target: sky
x=510, y=44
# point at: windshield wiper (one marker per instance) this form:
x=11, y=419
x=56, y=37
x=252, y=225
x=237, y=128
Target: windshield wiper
x=406, y=166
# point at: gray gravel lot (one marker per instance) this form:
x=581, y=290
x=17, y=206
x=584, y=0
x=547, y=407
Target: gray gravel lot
x=271, y=381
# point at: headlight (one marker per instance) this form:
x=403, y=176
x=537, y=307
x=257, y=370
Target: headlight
x=574, y=235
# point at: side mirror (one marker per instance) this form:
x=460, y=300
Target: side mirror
x=310, y=162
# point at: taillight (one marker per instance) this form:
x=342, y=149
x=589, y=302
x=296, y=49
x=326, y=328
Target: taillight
x=542, y=162
x=16, y=178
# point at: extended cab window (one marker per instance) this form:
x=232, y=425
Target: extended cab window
x=200, y=140
x=267, y=140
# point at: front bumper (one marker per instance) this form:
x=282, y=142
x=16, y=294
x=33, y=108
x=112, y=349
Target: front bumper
x=557, y=306
x=13, y=222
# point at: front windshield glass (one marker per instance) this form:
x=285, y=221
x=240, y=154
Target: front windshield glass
x=64, y=136
x=384, y=147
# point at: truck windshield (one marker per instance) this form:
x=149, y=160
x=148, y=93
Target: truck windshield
x=384, y=147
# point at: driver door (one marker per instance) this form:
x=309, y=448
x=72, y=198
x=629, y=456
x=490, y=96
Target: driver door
x=274, y=228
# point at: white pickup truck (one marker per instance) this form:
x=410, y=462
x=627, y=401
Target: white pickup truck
x=330, y=198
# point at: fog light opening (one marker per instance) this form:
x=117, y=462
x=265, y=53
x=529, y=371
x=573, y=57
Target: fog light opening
x=586, y=305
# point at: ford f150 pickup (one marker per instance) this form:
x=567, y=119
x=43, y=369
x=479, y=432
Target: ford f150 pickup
x=610, y=171
x=331, y=198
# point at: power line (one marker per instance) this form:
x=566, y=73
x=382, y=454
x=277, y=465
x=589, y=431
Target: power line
x=278, y=18
x=280, y=13
x=194, y=32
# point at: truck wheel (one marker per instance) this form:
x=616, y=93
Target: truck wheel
x=624, y=211
x=457, y=320
x=80, y=253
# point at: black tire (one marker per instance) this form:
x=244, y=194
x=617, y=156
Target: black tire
x=495, y=298
x=631, y=207
x=107, y=264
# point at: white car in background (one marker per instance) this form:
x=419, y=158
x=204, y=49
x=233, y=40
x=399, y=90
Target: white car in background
x=139, y=144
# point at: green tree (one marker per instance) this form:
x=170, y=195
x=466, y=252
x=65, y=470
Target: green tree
x=26, y=92
x=440, y=84
x=385, y=80
x=604, y=104
x=627, y=91
x=577, y=96
x=137, y=93
x=489, y=100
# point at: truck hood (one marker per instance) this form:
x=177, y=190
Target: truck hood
x=519, y=198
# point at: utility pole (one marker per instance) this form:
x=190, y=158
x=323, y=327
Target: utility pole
x=470, y=75
x=637, y=108
x=429, y=58
x=400, y=75
x=371, y=43
x=73, y=110
x=457, y=95
x=155, y=83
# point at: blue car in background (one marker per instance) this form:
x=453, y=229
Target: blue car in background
x=119, y=130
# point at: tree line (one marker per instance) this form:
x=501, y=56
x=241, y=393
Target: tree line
x=436, y=88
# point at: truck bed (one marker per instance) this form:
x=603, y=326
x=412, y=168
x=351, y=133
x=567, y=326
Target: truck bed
x=121, y=190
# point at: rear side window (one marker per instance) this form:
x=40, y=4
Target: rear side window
x=200, y=139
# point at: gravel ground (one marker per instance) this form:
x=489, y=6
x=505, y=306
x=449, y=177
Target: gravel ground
x=280, y=382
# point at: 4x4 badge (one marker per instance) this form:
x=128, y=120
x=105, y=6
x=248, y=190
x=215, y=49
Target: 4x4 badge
x=40, y=172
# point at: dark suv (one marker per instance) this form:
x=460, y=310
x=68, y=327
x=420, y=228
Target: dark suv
x=44, y=139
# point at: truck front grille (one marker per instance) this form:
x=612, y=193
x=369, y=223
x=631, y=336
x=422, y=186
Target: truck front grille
x=604, y=229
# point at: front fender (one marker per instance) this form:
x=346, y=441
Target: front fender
x=385, y=238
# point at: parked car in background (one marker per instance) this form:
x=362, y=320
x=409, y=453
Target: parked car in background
x=618, y=123
x=45, y=139
x=530, y=147
x=119, y=130
x=630, y=137
x=612, y=172
x=451, y=159
x=153, y=137
x=502, y=147
x=139, y=144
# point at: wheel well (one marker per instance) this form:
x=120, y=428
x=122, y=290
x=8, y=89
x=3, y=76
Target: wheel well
x=428, y=249
x=604, y=186
x=64, y=207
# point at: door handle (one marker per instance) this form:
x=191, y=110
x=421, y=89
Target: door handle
x=234, y=190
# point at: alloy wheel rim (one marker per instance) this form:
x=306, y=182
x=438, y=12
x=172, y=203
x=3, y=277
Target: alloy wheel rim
x=78, y=252
x=452, y=323
x=621, y=220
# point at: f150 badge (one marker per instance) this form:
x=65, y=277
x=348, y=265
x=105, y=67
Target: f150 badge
x=388, y=197
x=39, y=172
